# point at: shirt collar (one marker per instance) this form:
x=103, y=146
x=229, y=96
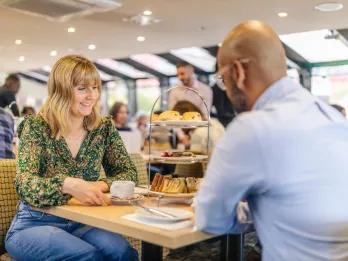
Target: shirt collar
x=274, y=92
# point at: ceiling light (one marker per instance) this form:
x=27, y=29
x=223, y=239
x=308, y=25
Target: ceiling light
x=147, y=12
x=91, y=47
x=141, y=38
x=53, y=53
x=142, y=19
x=18, y=42
x=329, y=7
x=71, y=29
x=282, y=14
x=21, y=58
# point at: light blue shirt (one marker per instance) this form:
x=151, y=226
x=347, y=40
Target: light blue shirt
x=288, y=158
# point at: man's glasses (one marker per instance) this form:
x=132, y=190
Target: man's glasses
x=219, y=78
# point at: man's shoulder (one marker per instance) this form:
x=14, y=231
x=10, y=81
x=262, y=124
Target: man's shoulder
x=257, y=123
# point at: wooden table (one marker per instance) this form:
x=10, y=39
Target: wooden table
x=153, y=239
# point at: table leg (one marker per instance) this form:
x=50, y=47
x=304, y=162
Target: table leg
x=150, y=252
x=232, y=247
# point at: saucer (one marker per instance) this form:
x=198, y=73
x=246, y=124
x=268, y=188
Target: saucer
x=125, y=201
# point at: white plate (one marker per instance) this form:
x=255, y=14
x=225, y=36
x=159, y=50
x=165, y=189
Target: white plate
x=179, y=160
x=180, y=123
x=126, y=201
x=141, y=190
x=179, y=213
x=173, y=195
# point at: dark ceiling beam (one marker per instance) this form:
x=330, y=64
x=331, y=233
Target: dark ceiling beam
x=295, y=57
x=32, y=78
x=213, y=50
x=344, y=33
x=175, y=60
x=43, y=72
x=112, y=72
x=142, y=67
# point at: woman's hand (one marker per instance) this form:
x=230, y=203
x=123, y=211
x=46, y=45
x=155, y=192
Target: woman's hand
x=102, y=185
x=88, y=193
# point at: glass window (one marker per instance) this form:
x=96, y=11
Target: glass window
x=293, y=74
x=155, y=62
x=147, y=92
x=117, y=91
x=36, y=75
x=197, y=56
x=105, y=77
x=317, y=46
x=331, y=84
x=123, y=68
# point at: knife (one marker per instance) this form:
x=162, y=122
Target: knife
x=156, y=211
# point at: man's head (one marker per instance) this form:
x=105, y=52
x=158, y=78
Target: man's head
x=185, y=73
x=250, y=59
x=12, y=83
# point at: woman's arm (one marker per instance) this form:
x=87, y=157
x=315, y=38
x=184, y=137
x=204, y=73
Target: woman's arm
x=32, y=185
x=116, y=161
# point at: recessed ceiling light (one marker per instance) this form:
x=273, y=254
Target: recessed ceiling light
x=329, y=7
x=220, y=44
x=147, y=12
x=141, y=38
x=91, y=47
x=53, y=53
x=71, y=29
x=21, y=58
x=18, y=42
x=282, y=14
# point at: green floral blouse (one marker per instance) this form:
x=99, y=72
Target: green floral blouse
x=44, y=162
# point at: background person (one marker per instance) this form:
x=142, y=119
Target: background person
x=119, y=114
x=6, y=135
x=185, y=73
x=28, y=110
x=8, y=93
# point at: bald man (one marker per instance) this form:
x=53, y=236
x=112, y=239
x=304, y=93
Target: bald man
x=285, y=154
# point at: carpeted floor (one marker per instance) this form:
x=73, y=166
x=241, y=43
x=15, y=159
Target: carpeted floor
x=210, y=251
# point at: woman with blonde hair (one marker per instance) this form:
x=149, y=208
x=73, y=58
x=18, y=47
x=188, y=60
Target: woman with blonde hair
x=61, y=152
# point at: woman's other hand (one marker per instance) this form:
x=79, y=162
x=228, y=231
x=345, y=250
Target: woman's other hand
x=102, y=185
x=88, y=193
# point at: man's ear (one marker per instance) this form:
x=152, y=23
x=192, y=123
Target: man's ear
x=239, y=74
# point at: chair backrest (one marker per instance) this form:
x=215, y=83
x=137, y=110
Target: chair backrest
x=8, y=197
x=140, y=165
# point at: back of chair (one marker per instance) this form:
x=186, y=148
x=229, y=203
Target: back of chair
x=8, y=197
x=140, y=165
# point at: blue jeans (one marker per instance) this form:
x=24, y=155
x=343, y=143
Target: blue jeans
x=34, y=235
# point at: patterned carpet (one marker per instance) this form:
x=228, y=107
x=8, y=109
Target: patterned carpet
x=210, y=251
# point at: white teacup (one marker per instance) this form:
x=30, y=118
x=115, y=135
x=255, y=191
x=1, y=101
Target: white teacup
x=122, y=189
